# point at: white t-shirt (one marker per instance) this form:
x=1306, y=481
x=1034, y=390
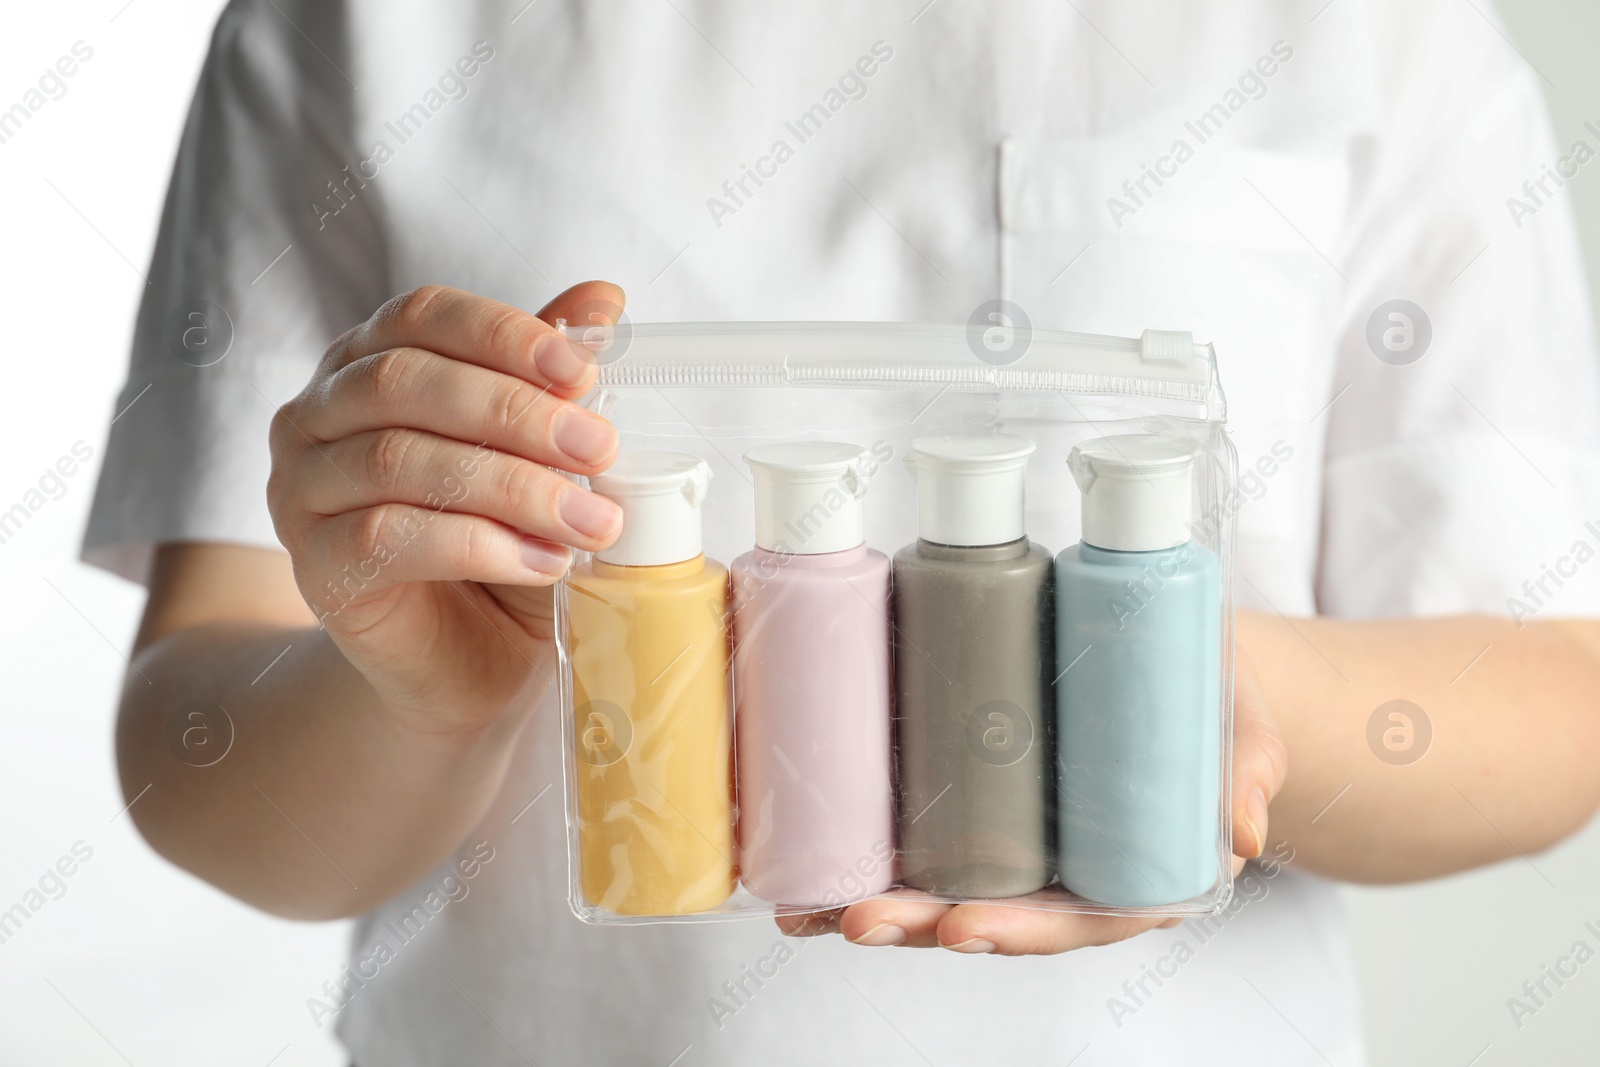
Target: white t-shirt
x=1266, y=179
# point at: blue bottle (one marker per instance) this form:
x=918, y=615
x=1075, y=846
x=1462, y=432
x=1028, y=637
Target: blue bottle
x=1138, y=697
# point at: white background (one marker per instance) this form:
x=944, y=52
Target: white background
x=138, y=963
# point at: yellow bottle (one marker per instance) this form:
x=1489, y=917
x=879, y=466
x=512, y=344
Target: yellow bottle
x=648, y=645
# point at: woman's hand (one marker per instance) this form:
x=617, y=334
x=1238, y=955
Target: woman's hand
x=412, y=485
x=1260, y=764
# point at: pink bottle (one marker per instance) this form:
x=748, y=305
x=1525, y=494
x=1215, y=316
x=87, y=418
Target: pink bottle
x=813, y=684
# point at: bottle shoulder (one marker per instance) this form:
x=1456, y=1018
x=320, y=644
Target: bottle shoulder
x=1191, y=560
x=914, y=558
x=639, y=580
x=768, y=566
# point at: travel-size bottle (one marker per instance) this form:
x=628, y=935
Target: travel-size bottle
x=812, y=683
x=649, y=652
x=1138, y=625
x=974, y=662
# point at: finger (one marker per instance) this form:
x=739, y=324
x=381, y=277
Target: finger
x=421, y=390
x=353, y=556
x=485, y=332
x=1021, y=931
x=410, y=467
x=586, y=304
x=893, y=920
x=581, y=308
x=1260, y=762
x=808, y=924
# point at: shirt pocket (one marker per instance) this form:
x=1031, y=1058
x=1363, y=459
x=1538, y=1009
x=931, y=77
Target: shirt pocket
x=1237, y=245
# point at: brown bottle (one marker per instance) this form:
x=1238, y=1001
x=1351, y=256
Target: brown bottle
x=974, y=667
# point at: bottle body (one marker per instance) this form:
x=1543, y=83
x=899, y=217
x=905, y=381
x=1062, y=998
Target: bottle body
x=1139, y=722
x=813, y=689
x=650, y=657
x=975, y=720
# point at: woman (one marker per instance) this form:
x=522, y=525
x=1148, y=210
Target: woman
x=1271, y=177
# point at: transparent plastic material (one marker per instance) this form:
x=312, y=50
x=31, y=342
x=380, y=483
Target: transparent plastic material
x=769, y=729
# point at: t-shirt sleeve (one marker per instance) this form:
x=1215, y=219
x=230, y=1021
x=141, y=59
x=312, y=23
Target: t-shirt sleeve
x=1462, y=471
x=269, y=247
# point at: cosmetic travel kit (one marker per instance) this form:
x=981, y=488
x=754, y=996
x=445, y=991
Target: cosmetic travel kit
x=895, y=607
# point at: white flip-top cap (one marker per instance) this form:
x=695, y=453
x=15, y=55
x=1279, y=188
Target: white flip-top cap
x=1135, y=491
x=970, y=488
x=808, y=496
x=660, y=494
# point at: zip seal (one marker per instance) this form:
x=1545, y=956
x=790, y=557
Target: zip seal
x=1162, y=365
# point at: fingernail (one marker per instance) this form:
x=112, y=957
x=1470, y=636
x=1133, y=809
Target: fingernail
x=1255, y=814
x=976, y=945
x=544, y=557
x=881, y=935
x=587, y=438
x=559, y=361
x=589, y=514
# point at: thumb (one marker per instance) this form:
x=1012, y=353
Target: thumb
x=1260, y=761
x=586, y=304
x=589, y=309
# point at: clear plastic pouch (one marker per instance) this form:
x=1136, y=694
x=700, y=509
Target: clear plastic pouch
x=864, y=682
